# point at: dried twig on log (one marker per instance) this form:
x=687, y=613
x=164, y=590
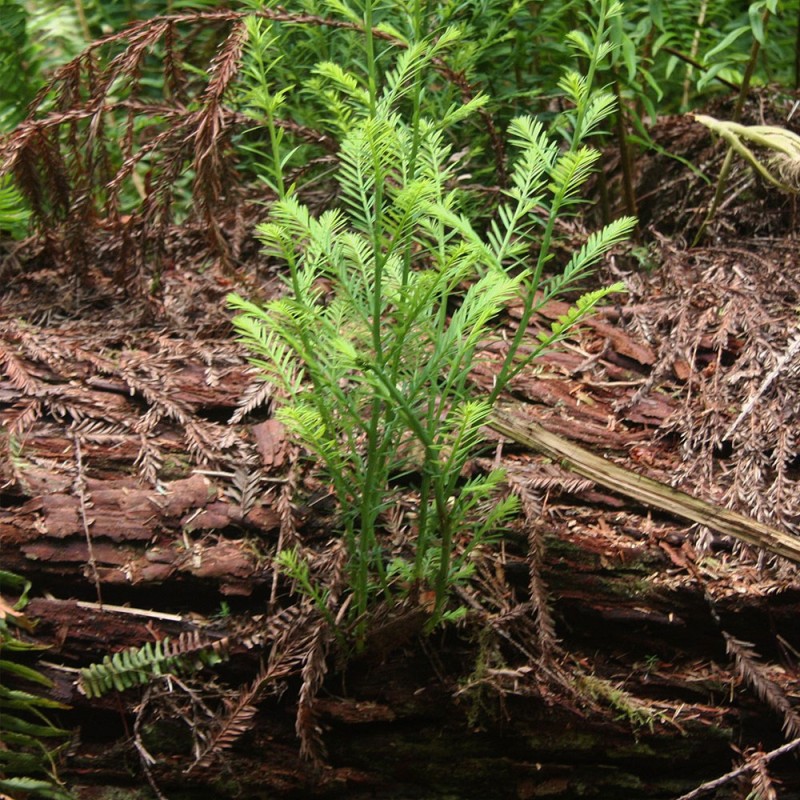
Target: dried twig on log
x=647, y=491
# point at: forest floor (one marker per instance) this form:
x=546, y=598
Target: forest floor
x=610, y=650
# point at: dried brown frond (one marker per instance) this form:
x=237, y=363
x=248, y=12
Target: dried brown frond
x=20, y=377
x=762, y=783
x=26, y=414
x=150, y=459
x=315, y=666
x=540, y=599
x=245, y=487
x=756, y=675
x=229, y=726
x=725, y=327
x=212, y=166
x=79, y=178
x=748, y=766
x=289, y=650
x=257, y=394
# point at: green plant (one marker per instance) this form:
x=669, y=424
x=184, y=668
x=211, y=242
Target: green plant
x=34, y=39
x=27, y=760
x=390, y=302
x=13, y=213
x=139, y=666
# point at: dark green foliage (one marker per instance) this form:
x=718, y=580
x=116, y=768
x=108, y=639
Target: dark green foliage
x=29, y=741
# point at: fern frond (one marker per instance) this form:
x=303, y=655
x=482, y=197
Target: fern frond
x=573, y=85
x=139, y=666
x=571, y=171
x=601, y=105
x=582, y=307
x=595, y=247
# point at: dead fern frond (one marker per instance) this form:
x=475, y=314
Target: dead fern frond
x=763, y=784
x=244, y=488
x=315, y=667
x=256, y=394
x=748, y=766
x=213, y=170
x=289, y=649
x=756, y=676
x=26, y=413
x=87, y=186
x=540, y=597
x=17, y=373
x=149, y=460
x=229, y=726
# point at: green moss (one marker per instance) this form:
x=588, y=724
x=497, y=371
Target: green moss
x=174, y=468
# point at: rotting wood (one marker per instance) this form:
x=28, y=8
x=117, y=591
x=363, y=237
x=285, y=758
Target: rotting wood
x=648, y=491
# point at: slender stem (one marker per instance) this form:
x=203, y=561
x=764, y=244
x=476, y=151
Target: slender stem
x=372, y=67
x=692, y=60
x=529, y=305
x=722, y=180
x=625, y=156
x=423, y=537
x=420, y=24
x=275, y=146
x=80, y=11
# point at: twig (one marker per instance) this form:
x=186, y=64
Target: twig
x=80, y=488
x=735, y=773
x=145, y=759
x=644, y=490
x=794, y=347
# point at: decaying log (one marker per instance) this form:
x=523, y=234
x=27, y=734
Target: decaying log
x=175, y=550
x=138, y=536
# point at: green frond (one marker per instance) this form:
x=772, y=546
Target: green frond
x=458, y=112
x=601, y=106
x=344, y=10
x=573, y=85
x=14, y=214
x=581, y=42
x=346, y=82
x=139, y=666
x=15, y=698
x=582, y=307
x=461, y=225
x=482, y=302
x=462, y=431
x=400, y=80
x=595, y=247
x=370, y=154
x=33, y=787
x=571, y=171
x=528, y=133
x=401, y=218
x=304, y=420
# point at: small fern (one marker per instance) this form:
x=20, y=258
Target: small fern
x=139, y=666
x=14, y=214
x=27, y=759
x=375, y=373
